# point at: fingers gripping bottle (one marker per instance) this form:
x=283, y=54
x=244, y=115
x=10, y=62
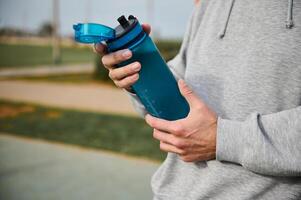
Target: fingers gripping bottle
x=156, y=87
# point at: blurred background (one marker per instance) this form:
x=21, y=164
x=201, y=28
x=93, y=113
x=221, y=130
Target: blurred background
x=66, y=132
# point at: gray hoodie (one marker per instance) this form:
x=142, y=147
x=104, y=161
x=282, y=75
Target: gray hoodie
x=243, y=58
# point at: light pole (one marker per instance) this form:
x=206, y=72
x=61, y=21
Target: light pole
x=56, y=53
x=88, y=10
x=150, y=9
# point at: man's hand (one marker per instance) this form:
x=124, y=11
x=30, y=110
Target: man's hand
x=192, y=138
x=123, y=77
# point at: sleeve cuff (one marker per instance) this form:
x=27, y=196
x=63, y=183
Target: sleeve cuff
x=133, y=96
x=229, y=145
x=139, y=107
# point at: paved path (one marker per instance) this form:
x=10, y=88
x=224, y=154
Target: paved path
x=36, y=170
x=46, y=70
x=87, y=97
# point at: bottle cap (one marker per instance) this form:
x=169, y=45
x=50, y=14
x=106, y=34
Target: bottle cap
x=93, y=33
x=127, y=33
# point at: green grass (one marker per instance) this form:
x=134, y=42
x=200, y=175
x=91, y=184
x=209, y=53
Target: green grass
x=31, y=55
x=128, y=135
x=65, y=78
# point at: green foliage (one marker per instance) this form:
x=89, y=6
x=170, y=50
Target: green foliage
x=168, y=50
x=46, y=29
x=64, y=78
x=9, y=31
x=129, y=135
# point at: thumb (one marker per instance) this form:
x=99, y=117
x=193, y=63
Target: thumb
x=188, y=94
x=146, y=28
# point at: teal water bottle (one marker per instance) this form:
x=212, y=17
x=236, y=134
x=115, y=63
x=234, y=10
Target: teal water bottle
x=156, y=88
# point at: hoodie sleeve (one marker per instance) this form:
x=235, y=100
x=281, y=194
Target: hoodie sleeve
x=266, y=144
x=177, y=65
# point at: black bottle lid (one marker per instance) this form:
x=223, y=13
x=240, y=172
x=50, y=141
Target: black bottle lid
x=123, y=21
x=125, y=26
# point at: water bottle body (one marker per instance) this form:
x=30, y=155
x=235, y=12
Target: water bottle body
x=156, y=88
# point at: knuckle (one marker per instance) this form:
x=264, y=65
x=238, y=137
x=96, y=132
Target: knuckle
x=104, y=59
x=127, y=69
x=162, y=146
x=178, y=128
x=153, y=123
x=155, y=134
x=112, y=75
x=185, y=159
x=130, y=68
x=179, y=143
x=123, y=82
x=176, y=142
x=99, y=48
x=117, y=56
x=117, y=83
x=122, y=72
x=182, y=152
x=199, y=107
x=127, y=81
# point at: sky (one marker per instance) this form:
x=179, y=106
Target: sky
x=169, y=19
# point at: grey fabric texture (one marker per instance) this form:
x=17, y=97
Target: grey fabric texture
x=251, y=77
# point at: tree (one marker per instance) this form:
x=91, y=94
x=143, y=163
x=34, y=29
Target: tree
x=46, y=29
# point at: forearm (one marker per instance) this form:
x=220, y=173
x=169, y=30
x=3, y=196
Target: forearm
x=266, y=144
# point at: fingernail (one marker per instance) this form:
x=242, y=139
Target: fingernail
x=136, y=67
x=127, y=54
x=95, y=48
x=98, y=47
x=136, y=77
